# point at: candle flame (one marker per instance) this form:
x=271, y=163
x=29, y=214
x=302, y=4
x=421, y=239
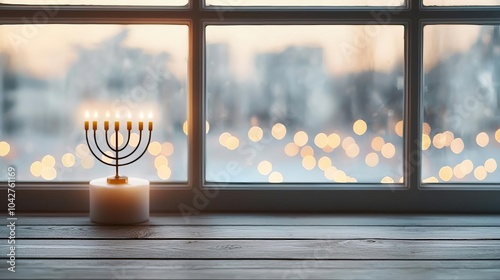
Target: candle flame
x=141, y=116
x=86, y=114
x=117, y=115
x=107, y=114
x=129, y=115
x=95, y=114
x=150, y=115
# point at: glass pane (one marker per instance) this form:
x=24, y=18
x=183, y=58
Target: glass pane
x=50, y=75
x=461, y=133
x=461, y=2
x=303, y=3
x=305, y=103
x=99, y=2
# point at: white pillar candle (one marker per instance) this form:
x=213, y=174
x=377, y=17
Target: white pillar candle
x=119, y=203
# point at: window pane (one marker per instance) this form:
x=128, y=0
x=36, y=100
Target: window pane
x=461, y=133
x=309, y=3
x=461, y=2
x=98, y=2
x=51, y=74
x=305, y=103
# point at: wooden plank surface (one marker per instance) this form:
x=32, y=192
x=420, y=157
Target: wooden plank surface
x=253, y=232
x=257, y=269
x=261, y=249
x=281, y=219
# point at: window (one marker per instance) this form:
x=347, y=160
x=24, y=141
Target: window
x=290, y=105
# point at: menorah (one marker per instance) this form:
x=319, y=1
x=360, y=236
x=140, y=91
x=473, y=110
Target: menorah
x=117, y=179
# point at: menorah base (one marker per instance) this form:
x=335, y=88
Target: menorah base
x=117, y=180
x=119, y=204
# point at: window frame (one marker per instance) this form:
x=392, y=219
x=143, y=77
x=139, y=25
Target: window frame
x=197, y=196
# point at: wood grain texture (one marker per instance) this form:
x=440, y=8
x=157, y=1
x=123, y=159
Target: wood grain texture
x=281, y=219
x=254, y=232
x=256, y=269
x=261, y=249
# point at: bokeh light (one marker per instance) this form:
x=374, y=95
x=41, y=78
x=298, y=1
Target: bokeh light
x=48, y=173
x=275, y=177
x=160, y=161
x=255, y=134
x=426, y=129
x=4, y=148
x=112, y=139
x=265, y=167
x=167, y=149
x=324, y=163
x=348, y=141
x=82, y=150
x=482, y=139
x=372, y=159
x=232, y=143
x=497, y=135
x=377, y=143
x=431, y=180
x=291, y=149
x=223, y=138
x=321, y=140
x=134, y=140
x=48, y=161
x=333, y=140
x=490, y=165
x=426, y=142
x=388, y=150
x=439, y=141
x=445, y=173
x=300, y=138
x=330, y=172
x=106, y=159
x=185, y=127
x=308, y=162
x=468, y=166
x=164, y=172
x=352, y=151
x=459, y=171
x=36, y=169
x=480, y=173
x=88, y=162
x=306, y=151
x=457, y=145
x=278, y=131
x=359, y=127
x=387, y=180
x=398, y=128
x=154, y=148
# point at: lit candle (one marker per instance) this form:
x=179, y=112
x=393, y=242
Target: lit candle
x=86, y=121
x=117, y=122
x=141, y=116
x=94, y=123
x=129, y=123
x=106, y=122
x=150, y=121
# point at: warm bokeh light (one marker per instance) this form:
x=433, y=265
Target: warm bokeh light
x=232, y=143
x=154, y=148
x=388, y=150
x=167, y=149
x=82, y=151
x=387, y=180
x=36, y=169
x=426, y=142
x=328, y=149
x=377, y=143
x=48, y=161
x=482, y=139
x=426, y=129
x=112, y=139
x=291, y=149
x=87, y=162
x=348, y=141
x=459, y=171
x=468, y=166
x=306, y=151
x=372, y=159
x=255, y=133
x=339, y=176
x=324, y=163
x=300, y=138
x=330, y=172
x=160, y=161
x=445, y=173
x=352, y=151
x=321, y=140
x=448, y=138
x=275, y=177
x=185, y=127
x=490, y=165
x=401, y=180
x=457, y=145
x=398, y=128
x=4, y=148
x=207, y=127
x=480, y=173
x=223, y=138
x=359, y=127
x=134, y=140
x=439, y=141
x=333, y=140
x=48, y=173
x=278, y=131
x=164, y=172
x=431, y=180
x=497, y=135
x=105, y=158
x=308, y=162
x=265, y=167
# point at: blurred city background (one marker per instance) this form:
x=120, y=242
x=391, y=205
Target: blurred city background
x=283, y=103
